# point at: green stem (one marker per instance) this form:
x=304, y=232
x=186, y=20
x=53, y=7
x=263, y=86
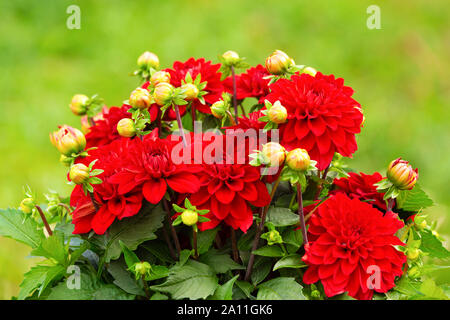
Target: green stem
x=234, y=95
x=146, y=288
x=194, y=241
x=44, y=220
x=301, y=214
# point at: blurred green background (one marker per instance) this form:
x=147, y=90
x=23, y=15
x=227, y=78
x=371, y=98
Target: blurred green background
x=399, y=73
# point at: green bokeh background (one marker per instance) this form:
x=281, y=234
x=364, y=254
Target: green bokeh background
x=399, y=73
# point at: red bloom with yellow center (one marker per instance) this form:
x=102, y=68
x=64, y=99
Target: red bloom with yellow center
x=250, y=84
x=352, y=248
x=111, y=204
x=323, y=118
x=148, y=164
x=361, y=186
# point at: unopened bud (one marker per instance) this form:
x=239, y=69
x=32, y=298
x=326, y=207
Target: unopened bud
x=27, y=205
x=189, y=217
x=79, y=173
x=160, y=77
x=148, y=59
x=126, y=128
x=298, y=159
x=68, y=140
x=413, y=253
x=278, y=62
x=315, y=294
x=163, y=93
x=402, y=175
x=230, y=57
x=310, y=70
x=277, y=113
x=140, y=98
x=79, y=104
x=190, y=91
x=142, y=268
x=274, y=153
x=219, y=109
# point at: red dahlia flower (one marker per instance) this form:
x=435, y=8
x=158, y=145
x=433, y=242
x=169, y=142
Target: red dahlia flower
x=208, y=72
x=352, y=248
x=323, y=118
x=111, y=204
x=228, y=190
x=148, y=164
x=105, y=129
x=361, y=186
x=250, y=84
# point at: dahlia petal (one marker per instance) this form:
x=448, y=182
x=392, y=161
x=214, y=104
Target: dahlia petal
x=249, y=192
x=183, y=182
x=83, y=225
x=154, y=190
x=225, y=195
x=102, y=220
x=263, y=195
x=235, y=185
x=200, y=197
x=311, y=275
x=220, y=210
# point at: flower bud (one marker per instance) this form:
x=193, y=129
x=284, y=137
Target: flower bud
x=68, y=140
x=278, y=62
x=79, y=173
x=402, y=175
x=413, y=253
x=148, y=59
x=230, y=57
x=66, y=161
x=27, y=205
x=140, y=98
x=310, y=70
x=277, y=113
x=414, y=272
x=126, y=128
x=142, y=268
x=163, y=93
x=315, y=294
x=274, y=237
x=219, y=109
x=189, y=217
x=190, y=91
x=160, y=77
x=79, y=104
x=298, y=159
x=274, y=153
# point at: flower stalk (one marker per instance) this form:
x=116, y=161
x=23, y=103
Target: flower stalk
x=44, y=220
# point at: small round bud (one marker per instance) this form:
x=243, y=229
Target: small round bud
x=231, y=57
x=140, y=98
x=190, y=91
x=79, y=173
x=163, y=93
x=414, y=272
x=219, y=109
x=160, y=77
x=402, y=175
x=310, y=70
x=66, y=161
x=142, y=268
x=274, y=153
x=315, y=294
x=189, y=217
x=79, y=104
x=298, y=159
x=413, y=253
x=277, y=113
x=274, y=237
x=148, y=59
x=126, y=128
x=27, y=205
x=278, y=62
x=68, y=140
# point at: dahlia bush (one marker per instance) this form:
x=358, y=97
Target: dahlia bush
x=226, y=181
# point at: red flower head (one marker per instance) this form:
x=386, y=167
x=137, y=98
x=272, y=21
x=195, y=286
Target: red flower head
x=208, y=72
x=323, y=118
x=250, y=84
x=111, y=204
x=228, y=191
x=105, y=129
x=361, y=186
x=353, y=248
x=148, y=164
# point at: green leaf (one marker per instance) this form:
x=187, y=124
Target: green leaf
x=246, y=287
x=281, y=217
x=269, y=251
x=131, y=231
x=53, y=248
x=193, y=280
x=19, y=226
x=205, y=240
x=280, y=289
x=157, y=272
x=123, y=279
x=413, y=200
x=110, y=292
x=225, y=291
x=220, y=262
x=432, y=245
x=158, y=249
x=290, y=261
x=159, y=296
x=432, y=291
x=39, y=277
x=293, y=239
x=130, y=257
x=261, y=270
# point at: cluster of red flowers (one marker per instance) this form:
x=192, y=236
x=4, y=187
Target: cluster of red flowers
x=349, y=232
